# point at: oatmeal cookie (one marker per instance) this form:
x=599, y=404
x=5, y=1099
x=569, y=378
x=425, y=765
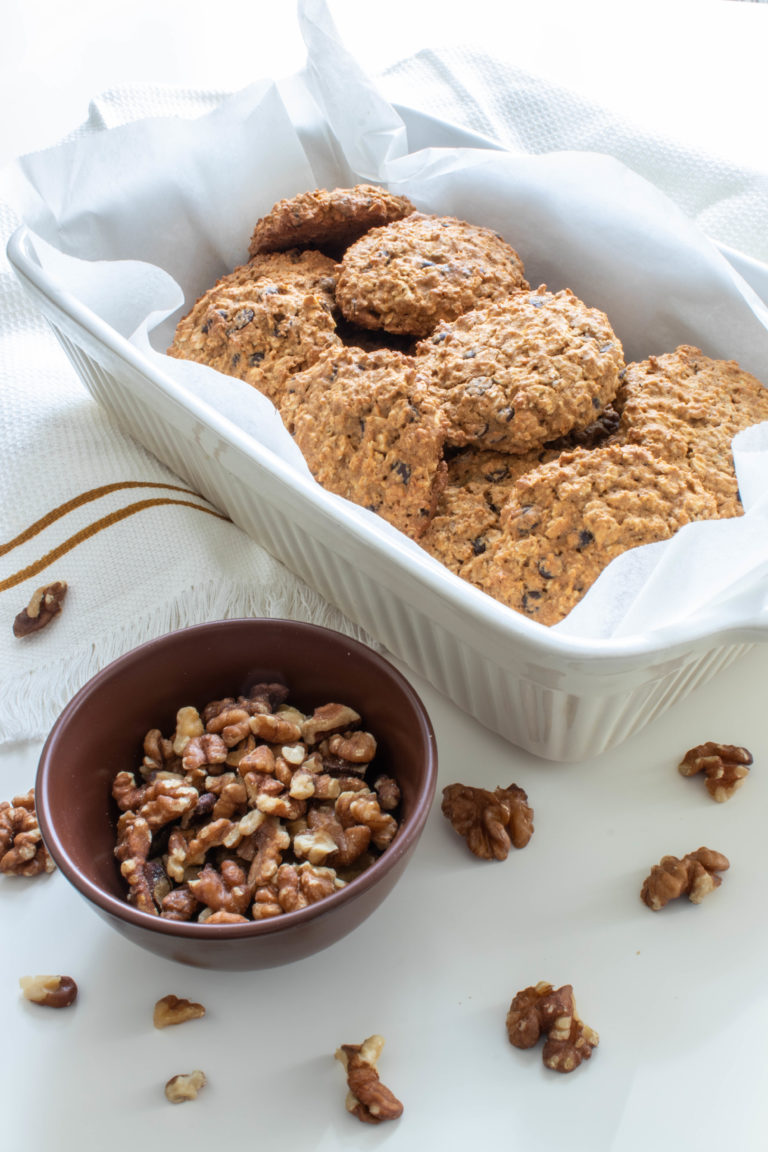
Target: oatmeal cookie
x=479, y=484
x=261, y=329
x=370, y=432
x=407, y=276
x=327, y=219
x=523, y=371
x=566, y=520
x=466, y=519
x=687, y=408
x=304, y=270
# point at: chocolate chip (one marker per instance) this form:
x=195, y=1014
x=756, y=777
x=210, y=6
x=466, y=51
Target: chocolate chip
x=585, y=539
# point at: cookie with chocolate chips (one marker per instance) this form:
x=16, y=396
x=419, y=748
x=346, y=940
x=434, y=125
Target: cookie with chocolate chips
x=370, y=431
x=567, y=519
x=523, y=371
x=330, y=219
x=687, y=408
x=407, y=276
x=263, y=321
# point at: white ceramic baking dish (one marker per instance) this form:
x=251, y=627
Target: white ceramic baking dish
x=562, y=698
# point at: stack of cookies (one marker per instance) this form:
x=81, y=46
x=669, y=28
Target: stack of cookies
x=497, y=425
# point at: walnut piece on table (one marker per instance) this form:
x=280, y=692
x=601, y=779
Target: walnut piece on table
x=44, y=604
x=22, y=851
x=541, y=1010
x=694, y=875
x=367, y=1097
x=171, y=1010
x=490, y=822
x=725, y=767
x=186, y=1086
x=49, y=991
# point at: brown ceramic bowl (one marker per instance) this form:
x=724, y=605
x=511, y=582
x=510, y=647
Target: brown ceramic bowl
x=101, y=732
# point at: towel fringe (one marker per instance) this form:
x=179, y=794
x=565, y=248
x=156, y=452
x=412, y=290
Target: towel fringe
x=30, y=703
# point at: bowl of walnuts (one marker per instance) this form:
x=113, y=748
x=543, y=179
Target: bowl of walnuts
x=238, y=794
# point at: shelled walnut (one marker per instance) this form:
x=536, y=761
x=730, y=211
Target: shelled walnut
x=725, y=767
x=186, y=1086
x=44, y=604
x=367, y=1098
x=490, y=822
x=542, y=1010
x=250, y=809
x=694, y=875
x=171, y=1010
x=22, y=851
x=49, y=991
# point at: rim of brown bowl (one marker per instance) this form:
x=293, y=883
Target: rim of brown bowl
x=113, y=673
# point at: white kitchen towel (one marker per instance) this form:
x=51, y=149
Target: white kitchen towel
x=82, y=502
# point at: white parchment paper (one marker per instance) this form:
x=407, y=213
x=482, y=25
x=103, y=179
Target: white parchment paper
x=137, y=221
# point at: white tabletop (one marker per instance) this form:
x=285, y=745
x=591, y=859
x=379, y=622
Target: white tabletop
x=679, y=997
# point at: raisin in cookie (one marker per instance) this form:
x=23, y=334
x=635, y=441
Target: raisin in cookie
x=566, y=520
x=408, y=276
x=327, y=219
x=687, y=407
x=259, y=329
x=370, y=432
x=523, y=371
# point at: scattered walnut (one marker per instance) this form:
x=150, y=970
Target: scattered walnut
x=543, y=1010
x=367, y=1098
x=175, y=1010
x=490, y=822
x=185, y=1086
x=49, y=991
x=22, y=851
x=694, y=876
x=46, y=603
x=725, y=767
x=250, y=808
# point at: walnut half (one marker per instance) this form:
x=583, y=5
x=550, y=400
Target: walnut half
x=367, y=1098
x=725, y=767
x=22, y=851
x=44, y=604
x=544, y=1010
x=175, y=1010
x=490, y=822
x=694, y=875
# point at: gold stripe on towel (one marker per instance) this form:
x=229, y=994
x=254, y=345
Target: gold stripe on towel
x=92, y=529
x=78, y=501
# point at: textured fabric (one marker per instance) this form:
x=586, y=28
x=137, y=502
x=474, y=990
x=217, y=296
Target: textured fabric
x=82, y=502
x=490, y=96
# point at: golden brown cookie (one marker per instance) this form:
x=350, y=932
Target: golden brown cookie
x=566, y=520
x=477, y=488
x=304, y=270
x=523, y=371
x=687, y=408
x=408, y=276
x=260, y=329
x=326, y=219
x=370, y=432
